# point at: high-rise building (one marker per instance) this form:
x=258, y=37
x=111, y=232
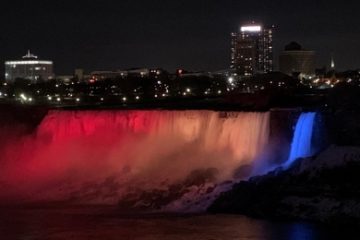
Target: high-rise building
x=297, y=61
x=29, y=67
x=252, y=50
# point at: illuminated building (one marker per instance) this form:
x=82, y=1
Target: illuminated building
x=135, y=72
x=29, y=67
x=102, y=75
x=252, y=50
x=297, y=61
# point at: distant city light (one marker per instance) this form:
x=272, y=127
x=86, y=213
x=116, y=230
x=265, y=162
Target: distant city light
x=23, y=97
x=188, y=90
x=251, y=28
x=28, y=62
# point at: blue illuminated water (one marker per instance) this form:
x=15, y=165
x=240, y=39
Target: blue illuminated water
x=301, y=143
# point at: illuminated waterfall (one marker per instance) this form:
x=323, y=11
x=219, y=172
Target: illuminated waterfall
x=301, y=144
x=107, y=157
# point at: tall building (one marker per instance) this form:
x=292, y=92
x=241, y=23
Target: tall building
x=295, y=60
x=29, y=67
x=252, y=50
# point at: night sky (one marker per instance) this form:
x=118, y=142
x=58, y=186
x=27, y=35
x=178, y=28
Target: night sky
x=191, y=34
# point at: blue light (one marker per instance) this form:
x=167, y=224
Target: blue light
x=301, y=144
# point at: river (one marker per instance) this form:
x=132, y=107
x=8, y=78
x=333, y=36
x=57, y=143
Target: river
x=108, y=223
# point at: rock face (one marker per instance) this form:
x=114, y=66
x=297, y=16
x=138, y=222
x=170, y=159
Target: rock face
x=325, y=188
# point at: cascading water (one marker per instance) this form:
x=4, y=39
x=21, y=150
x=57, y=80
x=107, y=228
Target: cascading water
x=170, y=160
x=301, y=144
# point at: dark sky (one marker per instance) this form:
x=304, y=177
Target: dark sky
x=193, y=34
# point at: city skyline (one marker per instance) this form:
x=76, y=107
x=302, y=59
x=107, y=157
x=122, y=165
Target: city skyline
x=195, y=36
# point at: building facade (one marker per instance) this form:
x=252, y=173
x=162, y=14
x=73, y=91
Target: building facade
x=252, y=50
x=294, y=60
x=30, y=68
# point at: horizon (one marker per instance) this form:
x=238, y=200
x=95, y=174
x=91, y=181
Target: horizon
x=111, y=35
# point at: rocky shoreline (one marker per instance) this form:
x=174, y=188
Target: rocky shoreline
x=325, y=188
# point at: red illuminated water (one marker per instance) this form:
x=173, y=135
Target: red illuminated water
x=168, y=160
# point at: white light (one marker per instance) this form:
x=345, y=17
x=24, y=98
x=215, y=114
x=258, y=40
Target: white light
x=188, y=90
x=23, y=96
x=30, y=99
x=78, y=99
x=49, y=98
x=58, y=99
x=251, y=28
x=28, y=62
x=137, y=97
x=124, y=99
x=231, y=80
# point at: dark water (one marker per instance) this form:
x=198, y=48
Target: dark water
x=107, y=223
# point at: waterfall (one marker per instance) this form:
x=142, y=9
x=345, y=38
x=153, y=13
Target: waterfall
x=138, y=159
x=301, y=143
